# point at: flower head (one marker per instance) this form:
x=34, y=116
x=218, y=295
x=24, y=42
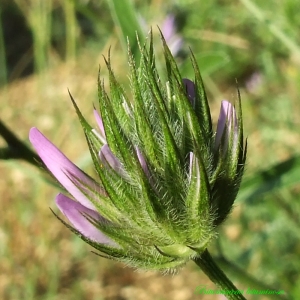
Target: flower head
x=166, y=180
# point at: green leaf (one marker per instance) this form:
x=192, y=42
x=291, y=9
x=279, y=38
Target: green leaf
x=125, y=18
x=208, y=62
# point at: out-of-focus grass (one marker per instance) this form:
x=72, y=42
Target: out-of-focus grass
x=3, y=75
x=38, y=18
x=40, y=259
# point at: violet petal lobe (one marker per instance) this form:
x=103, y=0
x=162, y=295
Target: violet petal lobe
x=190, y=90
x=100, y=123
x=77, y=214
x=226, y=117
x=169, y=27
x=61, y=167
x=142, y=161
x=108, y=158
x=174, y=40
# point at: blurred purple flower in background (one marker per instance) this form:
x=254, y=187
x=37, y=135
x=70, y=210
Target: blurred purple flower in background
x=173, y=39
x=254, y=82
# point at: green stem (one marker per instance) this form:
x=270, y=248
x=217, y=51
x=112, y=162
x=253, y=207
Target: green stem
x=71, y=29
x=217, y=276
x=247, y=279
x=16, y=148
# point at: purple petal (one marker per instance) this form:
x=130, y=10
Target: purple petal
x=142, y=161
x=62, y=168
x=226, y=117
x=77, y=215
x=108, y=158
x=99, y=122
x=169, y=27
x=190, y=90
x=173, y=40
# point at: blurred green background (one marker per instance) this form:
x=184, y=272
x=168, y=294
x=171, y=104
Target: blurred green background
x=48, y=46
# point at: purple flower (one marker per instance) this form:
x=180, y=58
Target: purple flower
x=227, y=127
x=74, y=180
x=82, y=187
x=78, y=215
x=173, y=39
x=108, y=159
x=101, y=135
x=190, y=90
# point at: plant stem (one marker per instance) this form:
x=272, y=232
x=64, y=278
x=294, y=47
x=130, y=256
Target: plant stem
x=247, y=279
x=217, y=276
x=16, y=148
